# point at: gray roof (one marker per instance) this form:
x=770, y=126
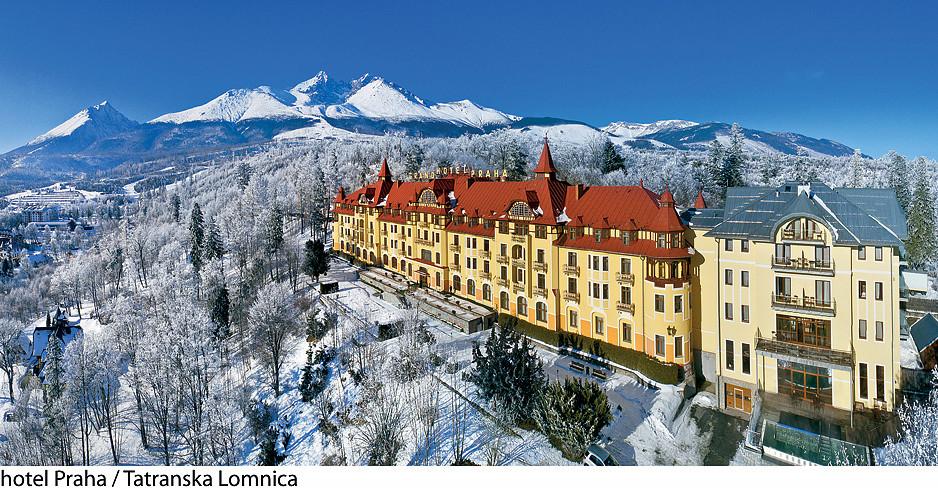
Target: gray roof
x=924, y=332
x=855, y=216
x=702, y=218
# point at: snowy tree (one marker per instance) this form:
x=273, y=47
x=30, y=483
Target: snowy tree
x=572, y=413
x=214, y=245
x=175, y=205
x=196, y=237
x=274, y=319
x=508, y=372
x=11, y=350
x=922, y=245
x=316, y=261
x=611, y=159
x=916, y=442
x=898, y=178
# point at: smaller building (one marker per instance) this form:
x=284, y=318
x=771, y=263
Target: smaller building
x=924, y=333
x=60, y=326
x=41, y=213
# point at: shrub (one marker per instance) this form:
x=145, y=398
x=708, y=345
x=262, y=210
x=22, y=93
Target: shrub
x=571, y=414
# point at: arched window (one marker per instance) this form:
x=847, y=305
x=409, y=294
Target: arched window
x=487, y=292
x=521, y=209
x=540, y=311
x=522, y=307
x=456, y=284
x=503, y=301
x=427, y=197
x=471, y=287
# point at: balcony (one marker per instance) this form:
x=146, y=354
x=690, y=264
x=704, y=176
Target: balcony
x=485, y=276
x=817, y=236
x=804, y=304
x=503, y=282
x=518, y=238
x=485, y=254
x=518, y=287
x=803, y=265
x=539, y=266
x=455, y=247
x=572, y=297
x=802, y=353
x=423, y=241
x=571, y=270
x=518, y=263
x=624, y=307
x=625, y=278
x=539, y=292
x=454, y=267
x=502, y=259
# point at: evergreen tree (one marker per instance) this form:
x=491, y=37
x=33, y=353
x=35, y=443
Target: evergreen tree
x=413, y=157
x=175, y=204
x=214, y=245
x=508, y=373
x=315, y=259
x=320, y=203
x=735, y=160
x=714, y=170
x=274, y=230
x=857, y=169
x=55, y=430
x=244, y=174
x=315, y=329
x=571, y=414
x=220, y=312
x=610, y=159
x=922, y=244
x=196, y=236
x=898, y=178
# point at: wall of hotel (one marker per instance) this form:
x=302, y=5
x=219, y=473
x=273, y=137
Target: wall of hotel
x=704, y=302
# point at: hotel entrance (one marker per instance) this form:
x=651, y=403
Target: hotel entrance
x=424, y=277
x=738, y=398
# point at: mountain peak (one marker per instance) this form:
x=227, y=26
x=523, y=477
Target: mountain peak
x=98, y=120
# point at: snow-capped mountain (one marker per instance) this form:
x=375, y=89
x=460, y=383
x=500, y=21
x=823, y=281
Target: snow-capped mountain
x=321, y=107
x=95, y=122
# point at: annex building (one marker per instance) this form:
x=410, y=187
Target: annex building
x=787, y=300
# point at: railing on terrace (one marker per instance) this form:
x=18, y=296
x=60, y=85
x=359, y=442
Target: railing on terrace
x=800, y=352
x=630, y=308
x=804, y=264
x=503, y=282
x=571, y=296
x=804, y=303
x=569, y=269
x=626, y=278
x=802, y=235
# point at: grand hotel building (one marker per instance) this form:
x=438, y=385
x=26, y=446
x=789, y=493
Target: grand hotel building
x=791, y=293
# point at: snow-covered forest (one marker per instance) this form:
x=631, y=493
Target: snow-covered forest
x=204, y=342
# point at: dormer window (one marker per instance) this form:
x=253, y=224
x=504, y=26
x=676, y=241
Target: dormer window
x=626, y=238
x=521, y=210
x=427, y=197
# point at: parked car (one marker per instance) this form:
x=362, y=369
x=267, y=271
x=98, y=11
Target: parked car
x=598, y=456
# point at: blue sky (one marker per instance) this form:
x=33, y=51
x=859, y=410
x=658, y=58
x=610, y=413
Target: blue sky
x=863, y=73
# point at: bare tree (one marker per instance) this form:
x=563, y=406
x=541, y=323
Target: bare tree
x=11, y=350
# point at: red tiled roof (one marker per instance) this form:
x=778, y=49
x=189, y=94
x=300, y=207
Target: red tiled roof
x=385, y=172
x=621, y=207
x=700, y=203
x=643, y=247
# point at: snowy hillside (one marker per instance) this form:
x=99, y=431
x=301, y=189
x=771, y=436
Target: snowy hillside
x=630, y=130
x=234, y=106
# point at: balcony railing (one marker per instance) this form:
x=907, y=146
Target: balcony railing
x=540, y=292
x=454, y=267
x=455, y=247
x=518, y=287
x=501, y=259
x=503, y=282
x=803, y=235
x=804, y=304
x=825, y=266
x=539, y=266
x=485, y=276
x=571, y=296
x=630, y=308
x=625, y=278
x=802, y=353
x=518, y=238
x=423, y=241
x=518, y=263
x=572, y=270
x=485, y=254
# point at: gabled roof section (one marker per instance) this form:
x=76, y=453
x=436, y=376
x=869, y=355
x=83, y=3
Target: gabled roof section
x=756, y=213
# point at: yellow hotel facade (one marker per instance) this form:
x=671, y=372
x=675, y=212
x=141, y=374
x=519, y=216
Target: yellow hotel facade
x=788, y=294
